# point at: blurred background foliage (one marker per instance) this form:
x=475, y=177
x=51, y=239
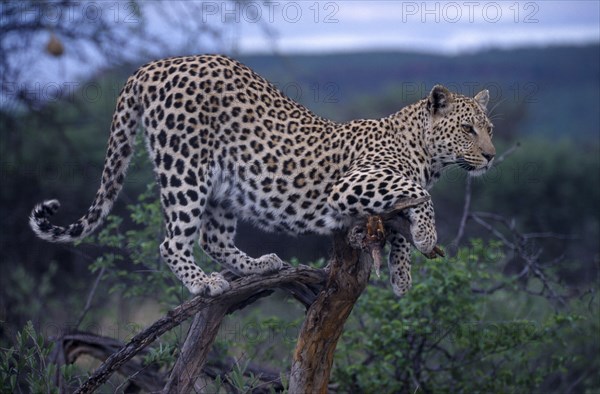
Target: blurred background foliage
x=545, y=103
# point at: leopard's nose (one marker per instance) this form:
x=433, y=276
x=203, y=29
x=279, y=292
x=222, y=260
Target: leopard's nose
x=488, y=156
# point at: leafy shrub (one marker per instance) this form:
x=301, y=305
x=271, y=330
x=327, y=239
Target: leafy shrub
x=24, y=367
x=445, y=337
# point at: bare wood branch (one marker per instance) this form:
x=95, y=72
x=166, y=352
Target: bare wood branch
x=539, y=273
x=241, y=290
x=70, y=347
x=469, y=193
x=493, y=230
x=519, y=245
x=195, y=350
x=313, y=357
x=349, y=273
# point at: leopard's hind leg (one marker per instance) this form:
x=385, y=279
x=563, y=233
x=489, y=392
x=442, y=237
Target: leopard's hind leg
x=217, y=240
x=184, y=198
x=176, y=250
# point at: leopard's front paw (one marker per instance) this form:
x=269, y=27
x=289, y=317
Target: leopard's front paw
x=401, y=280
x=210, y=286
x=424, y=237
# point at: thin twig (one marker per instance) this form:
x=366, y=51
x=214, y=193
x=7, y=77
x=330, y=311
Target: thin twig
x=90, y=297
x=466, y=208
x=545, y=282
x=469, y=192
x=519, y=245
x=506, y=154
x=493, y=230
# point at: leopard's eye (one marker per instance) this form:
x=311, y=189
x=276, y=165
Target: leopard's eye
x=467, y=128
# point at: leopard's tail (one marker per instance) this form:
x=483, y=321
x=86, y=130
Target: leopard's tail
x=120, y=150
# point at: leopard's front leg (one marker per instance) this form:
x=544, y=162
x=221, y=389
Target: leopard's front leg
x=399, y=264
x=422, y=227
x=365, y=190
x=418, y=224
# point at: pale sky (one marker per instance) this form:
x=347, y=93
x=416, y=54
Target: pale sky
x=441, y=27
x=184, y=27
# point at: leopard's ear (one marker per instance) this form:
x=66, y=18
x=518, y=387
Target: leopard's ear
x=439, y=100
x=482, y=98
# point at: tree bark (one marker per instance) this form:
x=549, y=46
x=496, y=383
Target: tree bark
x=194, y=352
x=313, y=358
x=243, y=291
x=330, y=305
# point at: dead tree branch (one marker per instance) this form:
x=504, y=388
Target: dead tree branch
x=349, y=272
x=469, y=192
x=71, y=346
x=90, y=297
x=520, y=245
x=330, y=293
x=313, y=357
x=466, y=209
x=241, y=290
x=194, y=353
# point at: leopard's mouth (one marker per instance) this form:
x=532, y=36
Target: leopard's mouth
x=473, y=169
x=465, y=164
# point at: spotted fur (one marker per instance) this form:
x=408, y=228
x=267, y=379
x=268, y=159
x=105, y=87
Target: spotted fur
x=227, y=145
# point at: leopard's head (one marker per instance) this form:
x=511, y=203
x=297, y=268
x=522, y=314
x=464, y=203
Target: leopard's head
x=460, y=131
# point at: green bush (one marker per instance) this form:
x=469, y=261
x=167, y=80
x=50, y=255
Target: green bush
x=445, y=337
x=25, y=366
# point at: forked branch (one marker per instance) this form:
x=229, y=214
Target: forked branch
x=251, y=287
x=330, y=293
x=350, y=268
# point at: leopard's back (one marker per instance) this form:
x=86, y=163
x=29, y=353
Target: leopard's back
x=210, y=119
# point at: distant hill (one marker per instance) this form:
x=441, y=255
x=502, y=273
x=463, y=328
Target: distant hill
x=554, y=90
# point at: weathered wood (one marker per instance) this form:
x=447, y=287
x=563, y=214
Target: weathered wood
x=194, y=352
x=241, y=291
x=313, y=358
x=350, y=268
x=348, y=276
x=69, y=347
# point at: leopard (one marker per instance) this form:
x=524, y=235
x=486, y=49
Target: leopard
x=228, y=145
